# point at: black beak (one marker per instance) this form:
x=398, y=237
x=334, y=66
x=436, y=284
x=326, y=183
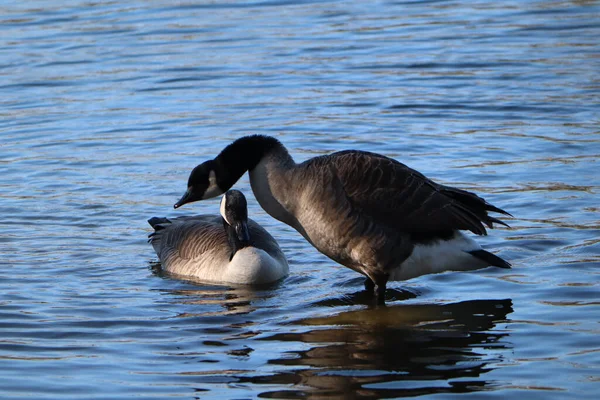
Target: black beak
x=186, y=198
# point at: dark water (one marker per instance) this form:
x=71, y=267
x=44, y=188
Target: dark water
x=106, y=106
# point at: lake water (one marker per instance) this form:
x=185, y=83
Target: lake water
x=106, y=106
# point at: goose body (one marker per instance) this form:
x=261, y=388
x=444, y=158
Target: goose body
x=206, y=247
x=365, y=211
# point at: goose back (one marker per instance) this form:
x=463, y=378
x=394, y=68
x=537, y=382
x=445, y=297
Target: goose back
x=390, y=193
x=367, y=211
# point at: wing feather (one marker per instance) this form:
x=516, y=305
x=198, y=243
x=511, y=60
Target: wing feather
x=187, y=238
x=396, y=195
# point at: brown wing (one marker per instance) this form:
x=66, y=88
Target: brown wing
x=396, y=195
x=189, y=237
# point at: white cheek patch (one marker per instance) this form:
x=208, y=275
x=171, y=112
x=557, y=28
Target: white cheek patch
x=213, y=189
x=222, y=210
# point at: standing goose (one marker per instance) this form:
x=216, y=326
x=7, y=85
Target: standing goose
x=230, y=248
x=365, y=211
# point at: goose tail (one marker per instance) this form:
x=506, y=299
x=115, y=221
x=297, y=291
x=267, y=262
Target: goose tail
x=158, y=223
x=490, y=258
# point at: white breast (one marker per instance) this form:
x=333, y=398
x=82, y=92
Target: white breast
x=252, y=265
x=249, y=265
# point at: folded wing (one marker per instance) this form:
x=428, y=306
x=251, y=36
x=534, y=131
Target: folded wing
x=396, y=195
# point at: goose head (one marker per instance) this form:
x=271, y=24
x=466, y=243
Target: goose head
x=234, y=211
x=214, y=177
x=202, y=184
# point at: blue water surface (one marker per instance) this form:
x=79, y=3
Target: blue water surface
x=106, y=106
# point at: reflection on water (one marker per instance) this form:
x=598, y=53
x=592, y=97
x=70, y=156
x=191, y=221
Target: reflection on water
x=214, y=299
x=243, y=340
x=393, y=351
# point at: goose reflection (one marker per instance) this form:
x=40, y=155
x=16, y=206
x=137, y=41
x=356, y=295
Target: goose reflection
x=402, y=350
x=212, y=299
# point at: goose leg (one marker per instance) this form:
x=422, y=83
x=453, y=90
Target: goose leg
x=369, y=285
x=377, y=285
x=380, y=293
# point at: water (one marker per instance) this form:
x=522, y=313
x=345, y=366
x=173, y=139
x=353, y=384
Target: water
x=106, y=106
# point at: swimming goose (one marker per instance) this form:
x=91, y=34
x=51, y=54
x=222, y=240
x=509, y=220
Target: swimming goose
x=363, y=210
x=230, y=248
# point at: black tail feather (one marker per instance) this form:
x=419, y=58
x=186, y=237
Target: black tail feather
x=476, y=206
x=490, y=207
x=492, y=220
x=490, y=258
x=156, y=222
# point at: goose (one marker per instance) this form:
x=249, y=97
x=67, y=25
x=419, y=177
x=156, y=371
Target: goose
x=226, y=248
x=363, y=210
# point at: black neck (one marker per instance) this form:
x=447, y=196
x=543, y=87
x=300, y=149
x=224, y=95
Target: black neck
x=243, y=155
x=235, y=243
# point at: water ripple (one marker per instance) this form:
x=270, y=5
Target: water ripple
x=106, y=106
